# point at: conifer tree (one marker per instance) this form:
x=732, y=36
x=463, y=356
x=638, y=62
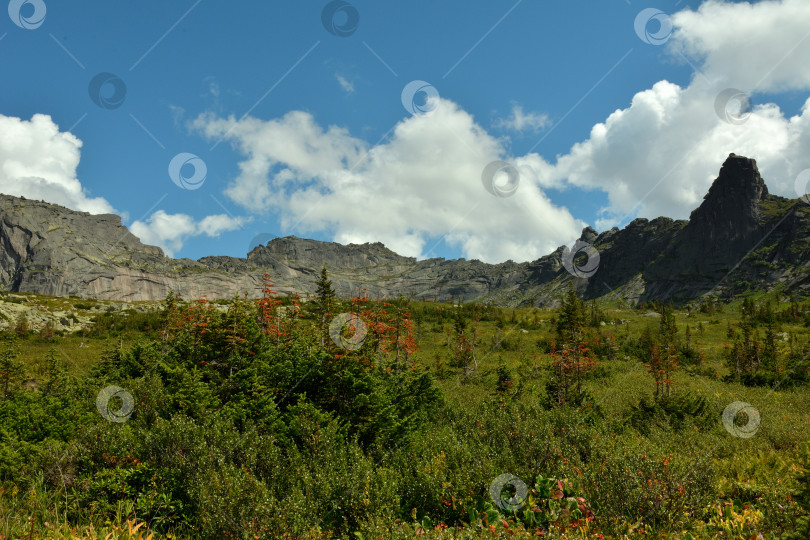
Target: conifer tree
x=667, y=327
x=571, y=318
x=572, y=359
x=688, y=338
x=55, y=371
x=11, y=370
x=464, y=344
x=746, y=354
x=325, y=298
x=769, y=353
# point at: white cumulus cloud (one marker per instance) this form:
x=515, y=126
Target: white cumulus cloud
x=421, y=185
x=755, y=47
x=37, y=161
x=170, y=231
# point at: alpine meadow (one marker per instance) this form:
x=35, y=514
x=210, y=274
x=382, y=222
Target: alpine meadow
x=343, y=269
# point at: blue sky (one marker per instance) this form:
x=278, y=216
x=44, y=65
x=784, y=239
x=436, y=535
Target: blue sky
x=304, y=132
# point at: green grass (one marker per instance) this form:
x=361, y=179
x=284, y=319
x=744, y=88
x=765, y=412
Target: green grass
x=475, y=435
x=78, y=359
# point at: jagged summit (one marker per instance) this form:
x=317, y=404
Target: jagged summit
x=723, y=232
x=734, y=196
x=588, y=234
x=739, y=238
x=310, y=252
x=727, y=221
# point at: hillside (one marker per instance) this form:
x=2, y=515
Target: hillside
x=201, y=420
x=740, y=238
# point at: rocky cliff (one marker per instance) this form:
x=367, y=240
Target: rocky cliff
x=49, y=249
x=740, y=237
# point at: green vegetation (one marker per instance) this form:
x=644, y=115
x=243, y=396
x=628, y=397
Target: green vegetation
x=266, y=419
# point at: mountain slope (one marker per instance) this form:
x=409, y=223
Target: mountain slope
x=740, y=237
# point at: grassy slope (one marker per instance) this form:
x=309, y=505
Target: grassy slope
x=752, y=463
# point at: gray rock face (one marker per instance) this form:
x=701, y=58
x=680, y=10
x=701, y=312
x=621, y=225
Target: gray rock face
x=49, y=249
x=740, y=237
x=726, y=224
x=721, y=234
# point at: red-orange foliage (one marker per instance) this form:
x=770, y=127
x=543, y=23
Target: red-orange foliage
x=268, y=308
x=570, y=365
x=661, y=367
x=390, y=327
x=276, y=320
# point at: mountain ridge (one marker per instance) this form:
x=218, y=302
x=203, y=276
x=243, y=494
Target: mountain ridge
x=740, y=237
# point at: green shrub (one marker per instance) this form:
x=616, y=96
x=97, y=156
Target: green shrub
x=638, y=484
x=672, y=411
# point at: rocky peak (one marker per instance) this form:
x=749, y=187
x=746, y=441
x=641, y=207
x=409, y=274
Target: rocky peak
x=589, y=234
x=720, y=232
x=726, y=224
x=733, y=198
x=315, y=253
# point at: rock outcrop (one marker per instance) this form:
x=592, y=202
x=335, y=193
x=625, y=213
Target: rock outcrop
x=740, y=237
x=720, y=236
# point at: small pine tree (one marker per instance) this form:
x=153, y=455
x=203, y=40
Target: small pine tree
x=645, y=342
x=325, y=303
x=769, y=352
x=687, y=335
x=746, y=354
x=571, y=318
x=505, y=380
x=55, y=373
x=572, y=360
x=663, y=363
x=268, y=306
x=169, y=317
x=667, y=326
x=47, y=332
x=404, y=341
x=235, y=333
x=595, y=315
x=441, y=372
x=21, y=327
x=463, y=344
x=569, y=367
x=11, y=370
